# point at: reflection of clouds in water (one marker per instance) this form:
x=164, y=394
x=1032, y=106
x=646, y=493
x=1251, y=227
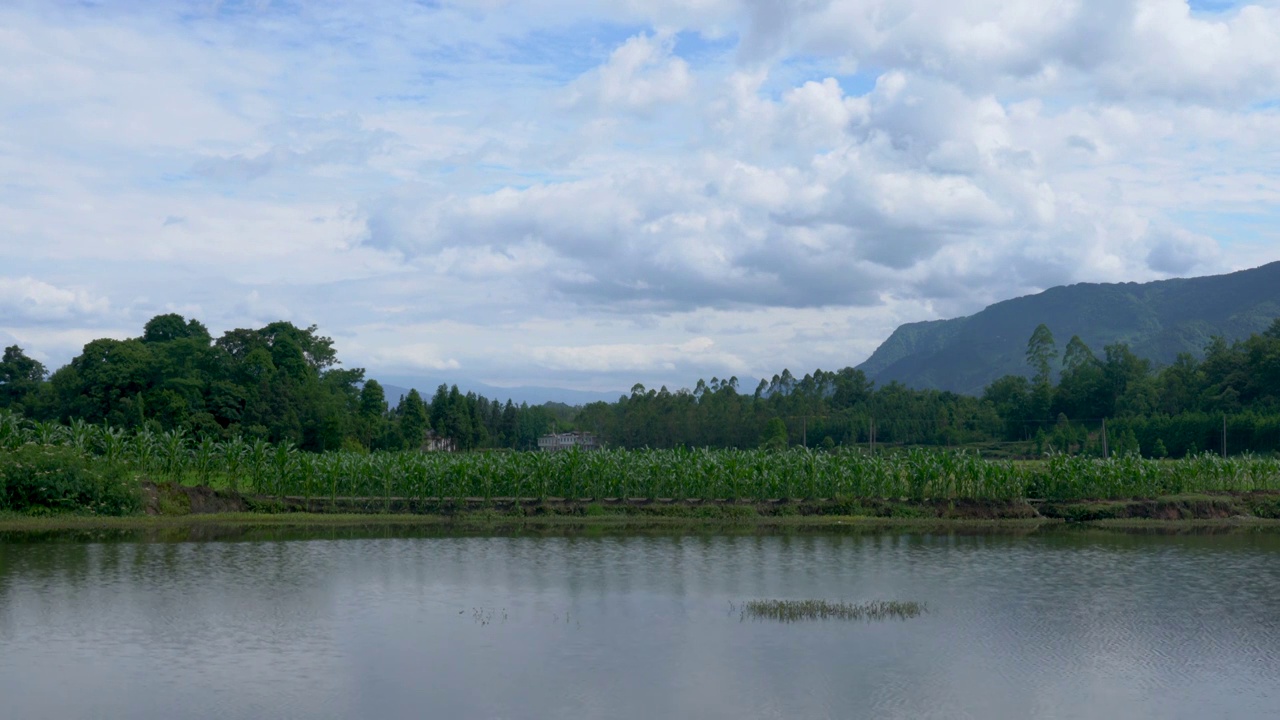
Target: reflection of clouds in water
x=1056, y=625
x=1158, y=631
x=141, y=630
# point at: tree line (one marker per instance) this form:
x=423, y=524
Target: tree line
x=278, y=383
x=1062, y=404
x=284, y=383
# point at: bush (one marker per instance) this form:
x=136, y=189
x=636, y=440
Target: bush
x=36, y=478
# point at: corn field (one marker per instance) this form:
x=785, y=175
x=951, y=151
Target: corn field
x=258, y=467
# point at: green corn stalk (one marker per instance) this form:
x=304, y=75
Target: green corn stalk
x=283, y=465
x=258, y=461
x=234, y=456
x=205, y=459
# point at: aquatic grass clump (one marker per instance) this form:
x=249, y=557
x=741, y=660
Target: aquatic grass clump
x=798, y=610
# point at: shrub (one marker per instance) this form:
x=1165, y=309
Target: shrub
x=35, y=478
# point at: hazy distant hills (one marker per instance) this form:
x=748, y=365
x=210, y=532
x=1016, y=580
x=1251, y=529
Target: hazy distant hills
x=1158, y=320
x=397, y=387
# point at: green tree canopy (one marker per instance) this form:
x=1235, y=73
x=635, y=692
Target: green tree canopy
x=20, y=376
x=1041, y=353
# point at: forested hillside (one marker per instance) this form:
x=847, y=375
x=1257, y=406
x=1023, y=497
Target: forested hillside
x=1157, y=320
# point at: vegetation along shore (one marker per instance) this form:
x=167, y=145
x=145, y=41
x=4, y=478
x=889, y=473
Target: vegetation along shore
x=82, y=470
x=265, y=422
x=284, y=384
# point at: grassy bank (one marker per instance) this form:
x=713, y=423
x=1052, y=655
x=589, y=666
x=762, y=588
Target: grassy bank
x=171, y=499
x=241, y=527
x=1250, y=506
x=196, y=513
x=486, y=519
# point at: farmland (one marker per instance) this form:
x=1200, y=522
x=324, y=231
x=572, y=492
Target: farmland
x=33, y=454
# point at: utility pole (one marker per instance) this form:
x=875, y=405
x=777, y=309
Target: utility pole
x=1105, y=452
x=1224, y=435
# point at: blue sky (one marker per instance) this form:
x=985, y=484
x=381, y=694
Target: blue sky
x=589, y=195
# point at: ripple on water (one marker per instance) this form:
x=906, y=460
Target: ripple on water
x=1044, y=626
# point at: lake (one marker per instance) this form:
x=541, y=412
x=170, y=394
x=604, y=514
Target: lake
x=1047, y=625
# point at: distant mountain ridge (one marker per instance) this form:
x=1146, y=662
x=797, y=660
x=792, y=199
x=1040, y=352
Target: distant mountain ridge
x=1158, y=320
x=397, y=387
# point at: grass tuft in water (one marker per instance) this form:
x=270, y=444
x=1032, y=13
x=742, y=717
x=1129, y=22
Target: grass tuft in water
x=798, y=610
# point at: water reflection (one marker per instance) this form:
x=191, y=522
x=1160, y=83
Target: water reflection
x=1053, y=625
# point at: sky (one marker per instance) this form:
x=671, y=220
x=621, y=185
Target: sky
x=588, y=194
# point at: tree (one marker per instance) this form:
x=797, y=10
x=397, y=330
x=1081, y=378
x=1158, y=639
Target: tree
x=775, y=435
x=1124, y=374
x=1262, y=358
x=1077, y=355
x=373, y=410
x=412, y=417
x=1225, y=374
x=108, y=381
x=1180, y=386
x=1011, y=397
x=439, y=409
x=1041, y=352
x=164, y=328
x=20, y=376
x=317, y=350
x=851, y=387
x=373, y=399
x=1082, y=391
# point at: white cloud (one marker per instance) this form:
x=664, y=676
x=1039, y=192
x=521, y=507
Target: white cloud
x=640, y=75
x=134, y=85
x=1115, y=48
x=1178, y=252
x=597, y=193
x=415, y=356
x=633, y=357
x=28, y=300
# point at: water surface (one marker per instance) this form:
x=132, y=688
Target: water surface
x=1066, y=625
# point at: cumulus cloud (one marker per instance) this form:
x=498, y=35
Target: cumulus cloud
x=641, y=74
x=1177, y=252
x=587, y=193
x=28, y=300
x=1115, y=48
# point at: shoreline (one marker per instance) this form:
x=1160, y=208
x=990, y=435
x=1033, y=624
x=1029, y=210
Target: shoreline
x=202, y=510
x=572, y=520
x=482, y=520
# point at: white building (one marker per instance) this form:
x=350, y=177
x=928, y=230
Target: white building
x=431, y=442
x=564, y=441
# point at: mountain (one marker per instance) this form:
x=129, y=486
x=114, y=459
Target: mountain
x=1158, y=320
x=397, y=387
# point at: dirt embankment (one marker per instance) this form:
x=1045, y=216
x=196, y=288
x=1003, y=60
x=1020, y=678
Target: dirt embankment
x=173, y=499
x=1182, y=507
x=170, y=499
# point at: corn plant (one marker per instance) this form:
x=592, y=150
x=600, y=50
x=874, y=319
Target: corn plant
x=382, y=479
